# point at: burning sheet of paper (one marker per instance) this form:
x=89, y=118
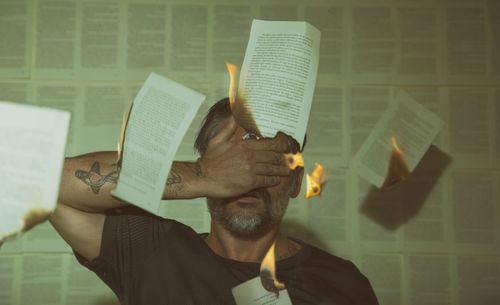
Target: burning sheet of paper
x=398, y=170
x=277, y=78
x=160, y=116
x=268, y=272
x=409, y=125
x=251, y=292
x=267, y=290
x=294, y=160
x=32, y=144
x=315, y=181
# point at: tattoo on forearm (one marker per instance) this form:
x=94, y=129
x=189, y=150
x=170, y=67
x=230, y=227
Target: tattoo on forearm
x=194, y=167
x=95, y=179
x=173, y=177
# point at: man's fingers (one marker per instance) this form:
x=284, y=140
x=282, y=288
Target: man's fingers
x=267, y=144
x=267, y=181
x=269, y=157
x=271, y=170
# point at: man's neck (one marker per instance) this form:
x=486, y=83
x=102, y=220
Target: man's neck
x=227, y=245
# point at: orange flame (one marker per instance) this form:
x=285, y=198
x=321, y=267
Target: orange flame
x=122, y=135
x=395, y=145
x=268, y=272
x=294, y=160
x=232, y=69
x=398, y=170
x=315, y=180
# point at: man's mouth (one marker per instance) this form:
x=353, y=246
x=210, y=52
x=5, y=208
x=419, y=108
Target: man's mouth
x=249, y=198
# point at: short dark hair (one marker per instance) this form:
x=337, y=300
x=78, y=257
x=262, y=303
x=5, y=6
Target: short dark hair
x=218, y=113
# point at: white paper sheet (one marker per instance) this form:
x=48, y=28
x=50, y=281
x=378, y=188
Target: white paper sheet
x=278, y=77
x=161, y=115
x=32, y=143
x=251, y=292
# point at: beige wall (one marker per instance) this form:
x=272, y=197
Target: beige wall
x=432, y=240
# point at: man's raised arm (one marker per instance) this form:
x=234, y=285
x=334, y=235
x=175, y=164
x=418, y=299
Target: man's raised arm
x=229, y=167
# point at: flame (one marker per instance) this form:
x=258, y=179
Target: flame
x=398, y=170
x=395, y=145
x=232, y=69
x=268, y=272
x=294, y=160
x=315, y=180
x=122, y=135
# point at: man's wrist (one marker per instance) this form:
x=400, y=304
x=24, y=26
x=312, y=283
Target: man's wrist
x=185, y=181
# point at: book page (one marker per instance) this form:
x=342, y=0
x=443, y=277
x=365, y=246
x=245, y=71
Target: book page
x=32, y=143
x=145, y=36
x=55, y=39
x=229, y=34
x=469, y=135
x=429, y=279
x=366, y=106
x=466, y=43
x=414, y=128
x=7, y=279
x=474, y=224
x=15, y=30
x=478, y=279
x=161, y=114
x=385, y=274
x=83, y=287
x=40, y=279
x=372, y=43
x=190, y=33
x=277, y=78
x=101, y=40
x=329, y=123
x=330, y=21
x=417, y=30
x=62, y=97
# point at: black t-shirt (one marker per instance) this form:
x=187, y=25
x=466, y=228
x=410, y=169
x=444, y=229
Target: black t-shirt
x=148, y=260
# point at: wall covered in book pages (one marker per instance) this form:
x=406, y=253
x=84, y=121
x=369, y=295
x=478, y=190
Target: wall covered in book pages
x=432, y=240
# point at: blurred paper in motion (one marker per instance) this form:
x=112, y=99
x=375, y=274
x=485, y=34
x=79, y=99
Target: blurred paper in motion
x=161, y=114
x=32, y=144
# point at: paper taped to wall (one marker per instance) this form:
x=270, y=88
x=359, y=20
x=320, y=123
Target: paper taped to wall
x=161, y=114
x=32, y=144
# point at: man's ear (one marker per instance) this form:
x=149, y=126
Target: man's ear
x=298, y=182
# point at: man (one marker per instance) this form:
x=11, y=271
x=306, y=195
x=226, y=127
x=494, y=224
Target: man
x=145, y=259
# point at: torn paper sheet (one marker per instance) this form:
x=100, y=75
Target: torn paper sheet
x=251, y=292
x=32, y=145
x=405, y=122
x=160, y=116
x=277, y=78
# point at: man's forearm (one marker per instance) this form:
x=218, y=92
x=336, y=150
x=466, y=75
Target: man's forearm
x=88, y=179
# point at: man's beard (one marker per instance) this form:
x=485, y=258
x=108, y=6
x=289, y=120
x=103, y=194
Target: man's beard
x=249, y=224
